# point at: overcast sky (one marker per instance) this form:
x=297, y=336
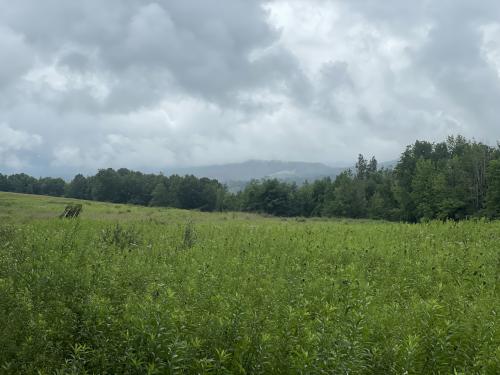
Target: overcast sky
x=153, y=84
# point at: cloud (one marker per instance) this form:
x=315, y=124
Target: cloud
x=18, y=57
x=12, y=140
x=14, y=144
x=156, y=84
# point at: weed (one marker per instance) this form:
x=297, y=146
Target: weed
x=189, y=237
x=120, y=236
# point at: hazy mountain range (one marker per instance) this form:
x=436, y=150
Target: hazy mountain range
x=237, y=175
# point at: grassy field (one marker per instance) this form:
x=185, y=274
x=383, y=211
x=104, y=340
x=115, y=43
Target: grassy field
x=126, y=290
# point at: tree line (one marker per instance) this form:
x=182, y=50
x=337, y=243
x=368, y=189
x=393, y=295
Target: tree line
x=125, y=186
x=454, y=179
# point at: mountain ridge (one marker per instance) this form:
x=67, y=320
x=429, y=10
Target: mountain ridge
x=258, y=169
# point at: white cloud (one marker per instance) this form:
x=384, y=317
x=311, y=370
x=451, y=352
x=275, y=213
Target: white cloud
x=17, y=140
x=13, y=146
x=490, y=47
x=17, y=56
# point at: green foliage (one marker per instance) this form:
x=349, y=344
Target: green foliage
x=161, y=196
x=202, y=194
x=106, y=186
x=270, y=196
x=493, y=195
x=79, y=188
x=21, y=183
x=247, y=295
x=349, y=196
x=443, y=180
x=120, y=236
x=4, y=183
x=426, y=189
x=189, y=238
x=447, y=180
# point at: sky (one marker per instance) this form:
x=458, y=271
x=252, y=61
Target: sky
x=152, y=85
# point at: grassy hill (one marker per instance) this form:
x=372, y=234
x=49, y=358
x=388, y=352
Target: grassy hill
x=128, y=289
x=26, y=208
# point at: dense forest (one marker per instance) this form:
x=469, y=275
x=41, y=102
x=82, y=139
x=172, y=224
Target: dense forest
x=455, y=179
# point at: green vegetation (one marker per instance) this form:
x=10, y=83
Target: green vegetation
x=129, y=289
x=456, y=179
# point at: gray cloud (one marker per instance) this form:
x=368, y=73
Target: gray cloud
x=17, y=59
x=153, y=84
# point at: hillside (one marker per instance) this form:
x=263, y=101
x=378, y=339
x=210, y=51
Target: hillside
x=23, y=208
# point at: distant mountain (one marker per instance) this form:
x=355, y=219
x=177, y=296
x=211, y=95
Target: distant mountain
x=236, y=175
x=388, y=164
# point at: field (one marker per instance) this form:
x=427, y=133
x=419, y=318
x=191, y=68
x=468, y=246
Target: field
x=126, y=290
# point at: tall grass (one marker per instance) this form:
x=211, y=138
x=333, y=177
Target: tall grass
x=255, y=296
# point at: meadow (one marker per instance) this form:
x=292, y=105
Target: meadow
x=135, y=290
